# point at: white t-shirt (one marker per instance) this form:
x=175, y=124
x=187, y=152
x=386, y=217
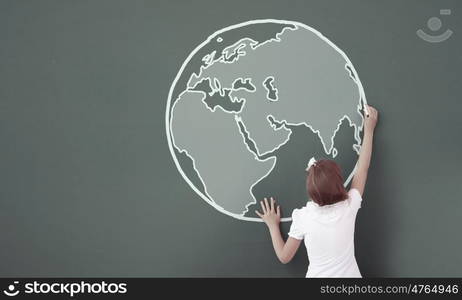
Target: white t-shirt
x=329, y=236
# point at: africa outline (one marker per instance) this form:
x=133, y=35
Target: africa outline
x=272, y=120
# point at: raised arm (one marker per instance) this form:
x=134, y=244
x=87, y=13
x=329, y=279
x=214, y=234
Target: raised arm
x=360, y=177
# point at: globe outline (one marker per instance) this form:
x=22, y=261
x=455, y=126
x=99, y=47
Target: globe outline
x=168, y=120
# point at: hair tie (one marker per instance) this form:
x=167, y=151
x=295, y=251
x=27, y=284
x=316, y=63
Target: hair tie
x=312, y=162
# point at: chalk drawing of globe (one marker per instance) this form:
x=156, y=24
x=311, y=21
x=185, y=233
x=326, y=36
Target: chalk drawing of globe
x=252, y=104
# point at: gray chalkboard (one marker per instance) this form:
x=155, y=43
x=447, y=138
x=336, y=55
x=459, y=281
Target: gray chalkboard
x=88, y=183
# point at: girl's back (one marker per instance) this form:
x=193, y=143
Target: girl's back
x=328, y=232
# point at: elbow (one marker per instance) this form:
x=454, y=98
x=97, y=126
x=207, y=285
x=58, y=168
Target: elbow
x=284, y=260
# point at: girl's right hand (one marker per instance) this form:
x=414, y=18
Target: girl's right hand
x=370, y=119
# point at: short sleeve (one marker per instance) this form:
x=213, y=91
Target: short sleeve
x=355, y=198
x=296, y=231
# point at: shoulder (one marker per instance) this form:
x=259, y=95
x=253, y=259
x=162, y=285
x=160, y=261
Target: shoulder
x=301, y=215
x=299, y=212
x=354, y=198
x=297, y=228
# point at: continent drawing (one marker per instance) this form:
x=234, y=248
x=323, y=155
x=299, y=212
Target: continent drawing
x=252, y=100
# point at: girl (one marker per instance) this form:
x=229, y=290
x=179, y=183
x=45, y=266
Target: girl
x=327, y=223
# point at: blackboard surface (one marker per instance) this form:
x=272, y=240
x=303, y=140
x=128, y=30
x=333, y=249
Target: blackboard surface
x=88, y=186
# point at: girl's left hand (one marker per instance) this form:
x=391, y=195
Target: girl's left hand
x=271, y=215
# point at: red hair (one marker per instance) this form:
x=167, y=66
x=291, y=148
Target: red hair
x=325, y=183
